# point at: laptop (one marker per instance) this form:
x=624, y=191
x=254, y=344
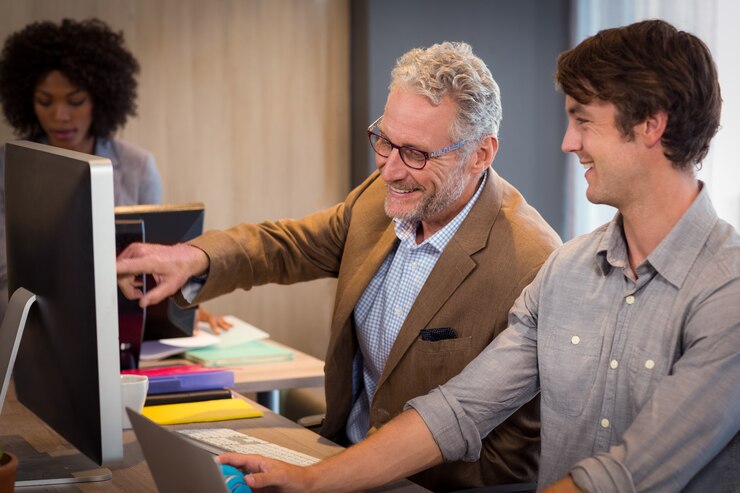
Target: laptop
x=177, y=464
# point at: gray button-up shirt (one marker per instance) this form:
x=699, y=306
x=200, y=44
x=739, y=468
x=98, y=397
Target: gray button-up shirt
x=640, y=378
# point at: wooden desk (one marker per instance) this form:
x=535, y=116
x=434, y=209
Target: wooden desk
x=132, y=473
x=266, y=380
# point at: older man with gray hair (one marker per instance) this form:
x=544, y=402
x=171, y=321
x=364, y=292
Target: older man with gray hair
x=430, y=252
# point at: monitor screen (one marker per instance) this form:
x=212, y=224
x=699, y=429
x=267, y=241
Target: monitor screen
x=165, y=224
x=61, y=247
x=130, y=314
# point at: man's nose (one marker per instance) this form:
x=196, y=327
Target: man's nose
x=571, y=140
x=392, y=167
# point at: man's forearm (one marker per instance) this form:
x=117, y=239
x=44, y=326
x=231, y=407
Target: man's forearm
x=402, y=447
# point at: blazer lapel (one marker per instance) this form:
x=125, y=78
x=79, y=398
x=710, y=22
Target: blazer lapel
x=452, y=268
x=356, y=285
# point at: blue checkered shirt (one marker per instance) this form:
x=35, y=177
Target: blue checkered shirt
x=386, y=302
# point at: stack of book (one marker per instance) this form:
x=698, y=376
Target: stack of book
x=192, y=393
x=201, y=392
x=185, y=383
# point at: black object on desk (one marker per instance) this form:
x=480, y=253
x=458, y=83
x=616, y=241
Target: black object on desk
x=166, y=224
x=195, y=396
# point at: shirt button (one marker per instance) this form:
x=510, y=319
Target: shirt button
x=650, y=364
x=398, y=311
x=630, y=299
x=614, y=364
x=605, y=423
x=575, y=339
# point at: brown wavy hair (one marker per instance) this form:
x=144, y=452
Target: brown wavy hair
x=645, y=68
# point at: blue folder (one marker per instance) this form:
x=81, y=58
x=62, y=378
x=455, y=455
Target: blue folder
x=188, y=382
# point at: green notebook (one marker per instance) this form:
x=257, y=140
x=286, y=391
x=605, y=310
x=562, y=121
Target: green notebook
x=248, y=353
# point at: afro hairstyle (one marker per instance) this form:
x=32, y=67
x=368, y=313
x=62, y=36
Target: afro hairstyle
x=88, y=53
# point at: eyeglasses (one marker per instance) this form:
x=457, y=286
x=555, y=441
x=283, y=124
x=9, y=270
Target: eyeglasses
x=411, y=156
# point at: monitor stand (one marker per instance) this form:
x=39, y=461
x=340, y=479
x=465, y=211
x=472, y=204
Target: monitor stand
x=36, y=468
x=11, y=333
x=51, y=468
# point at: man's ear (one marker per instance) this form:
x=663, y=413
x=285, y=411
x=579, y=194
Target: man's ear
x=485, y=154
x=653, y=128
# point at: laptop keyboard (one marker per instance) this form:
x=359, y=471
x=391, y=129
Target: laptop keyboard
x=229, y=440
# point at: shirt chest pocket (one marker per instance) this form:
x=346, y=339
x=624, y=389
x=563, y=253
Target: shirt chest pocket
x=568, y=363
x=646, y=367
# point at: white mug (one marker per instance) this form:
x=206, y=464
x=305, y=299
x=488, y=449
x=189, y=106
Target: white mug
x=133, y=395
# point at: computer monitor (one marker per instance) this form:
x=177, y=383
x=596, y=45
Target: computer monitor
x=165, y=224
x=61, y=248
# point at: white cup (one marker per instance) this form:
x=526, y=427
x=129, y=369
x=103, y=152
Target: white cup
x=133, y=395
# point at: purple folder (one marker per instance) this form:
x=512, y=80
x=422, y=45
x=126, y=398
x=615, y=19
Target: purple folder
x=188, y=382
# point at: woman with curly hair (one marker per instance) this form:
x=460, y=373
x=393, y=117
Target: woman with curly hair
x=72, y=85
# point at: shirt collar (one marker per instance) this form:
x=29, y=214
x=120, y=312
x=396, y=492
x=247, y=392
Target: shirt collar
x=675, y=254
x=612, y=249
x=406, y=230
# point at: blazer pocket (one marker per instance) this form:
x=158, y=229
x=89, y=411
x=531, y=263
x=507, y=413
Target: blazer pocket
x=445, y=345
x=435, y=362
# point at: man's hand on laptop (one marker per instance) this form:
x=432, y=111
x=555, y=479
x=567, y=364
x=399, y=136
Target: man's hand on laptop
x=171, y=267
x=272, y=474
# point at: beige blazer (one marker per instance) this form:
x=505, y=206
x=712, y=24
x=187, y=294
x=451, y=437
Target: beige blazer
x=494, y=254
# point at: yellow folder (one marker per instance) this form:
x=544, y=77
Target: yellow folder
x=200, y=412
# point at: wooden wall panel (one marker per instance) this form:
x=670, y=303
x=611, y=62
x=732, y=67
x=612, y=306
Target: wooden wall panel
x=245, y=105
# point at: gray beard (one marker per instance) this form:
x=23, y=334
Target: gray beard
x=430, y=206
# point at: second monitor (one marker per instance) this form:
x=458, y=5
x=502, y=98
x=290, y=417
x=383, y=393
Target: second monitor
x=166, y=224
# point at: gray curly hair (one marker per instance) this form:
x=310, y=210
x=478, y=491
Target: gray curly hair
x=451, y=69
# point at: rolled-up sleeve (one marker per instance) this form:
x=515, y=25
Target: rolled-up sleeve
x=455, y=433
x=602, y=473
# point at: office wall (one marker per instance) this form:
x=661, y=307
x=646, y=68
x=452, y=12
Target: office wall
x=245, y=105
x=518, y=40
